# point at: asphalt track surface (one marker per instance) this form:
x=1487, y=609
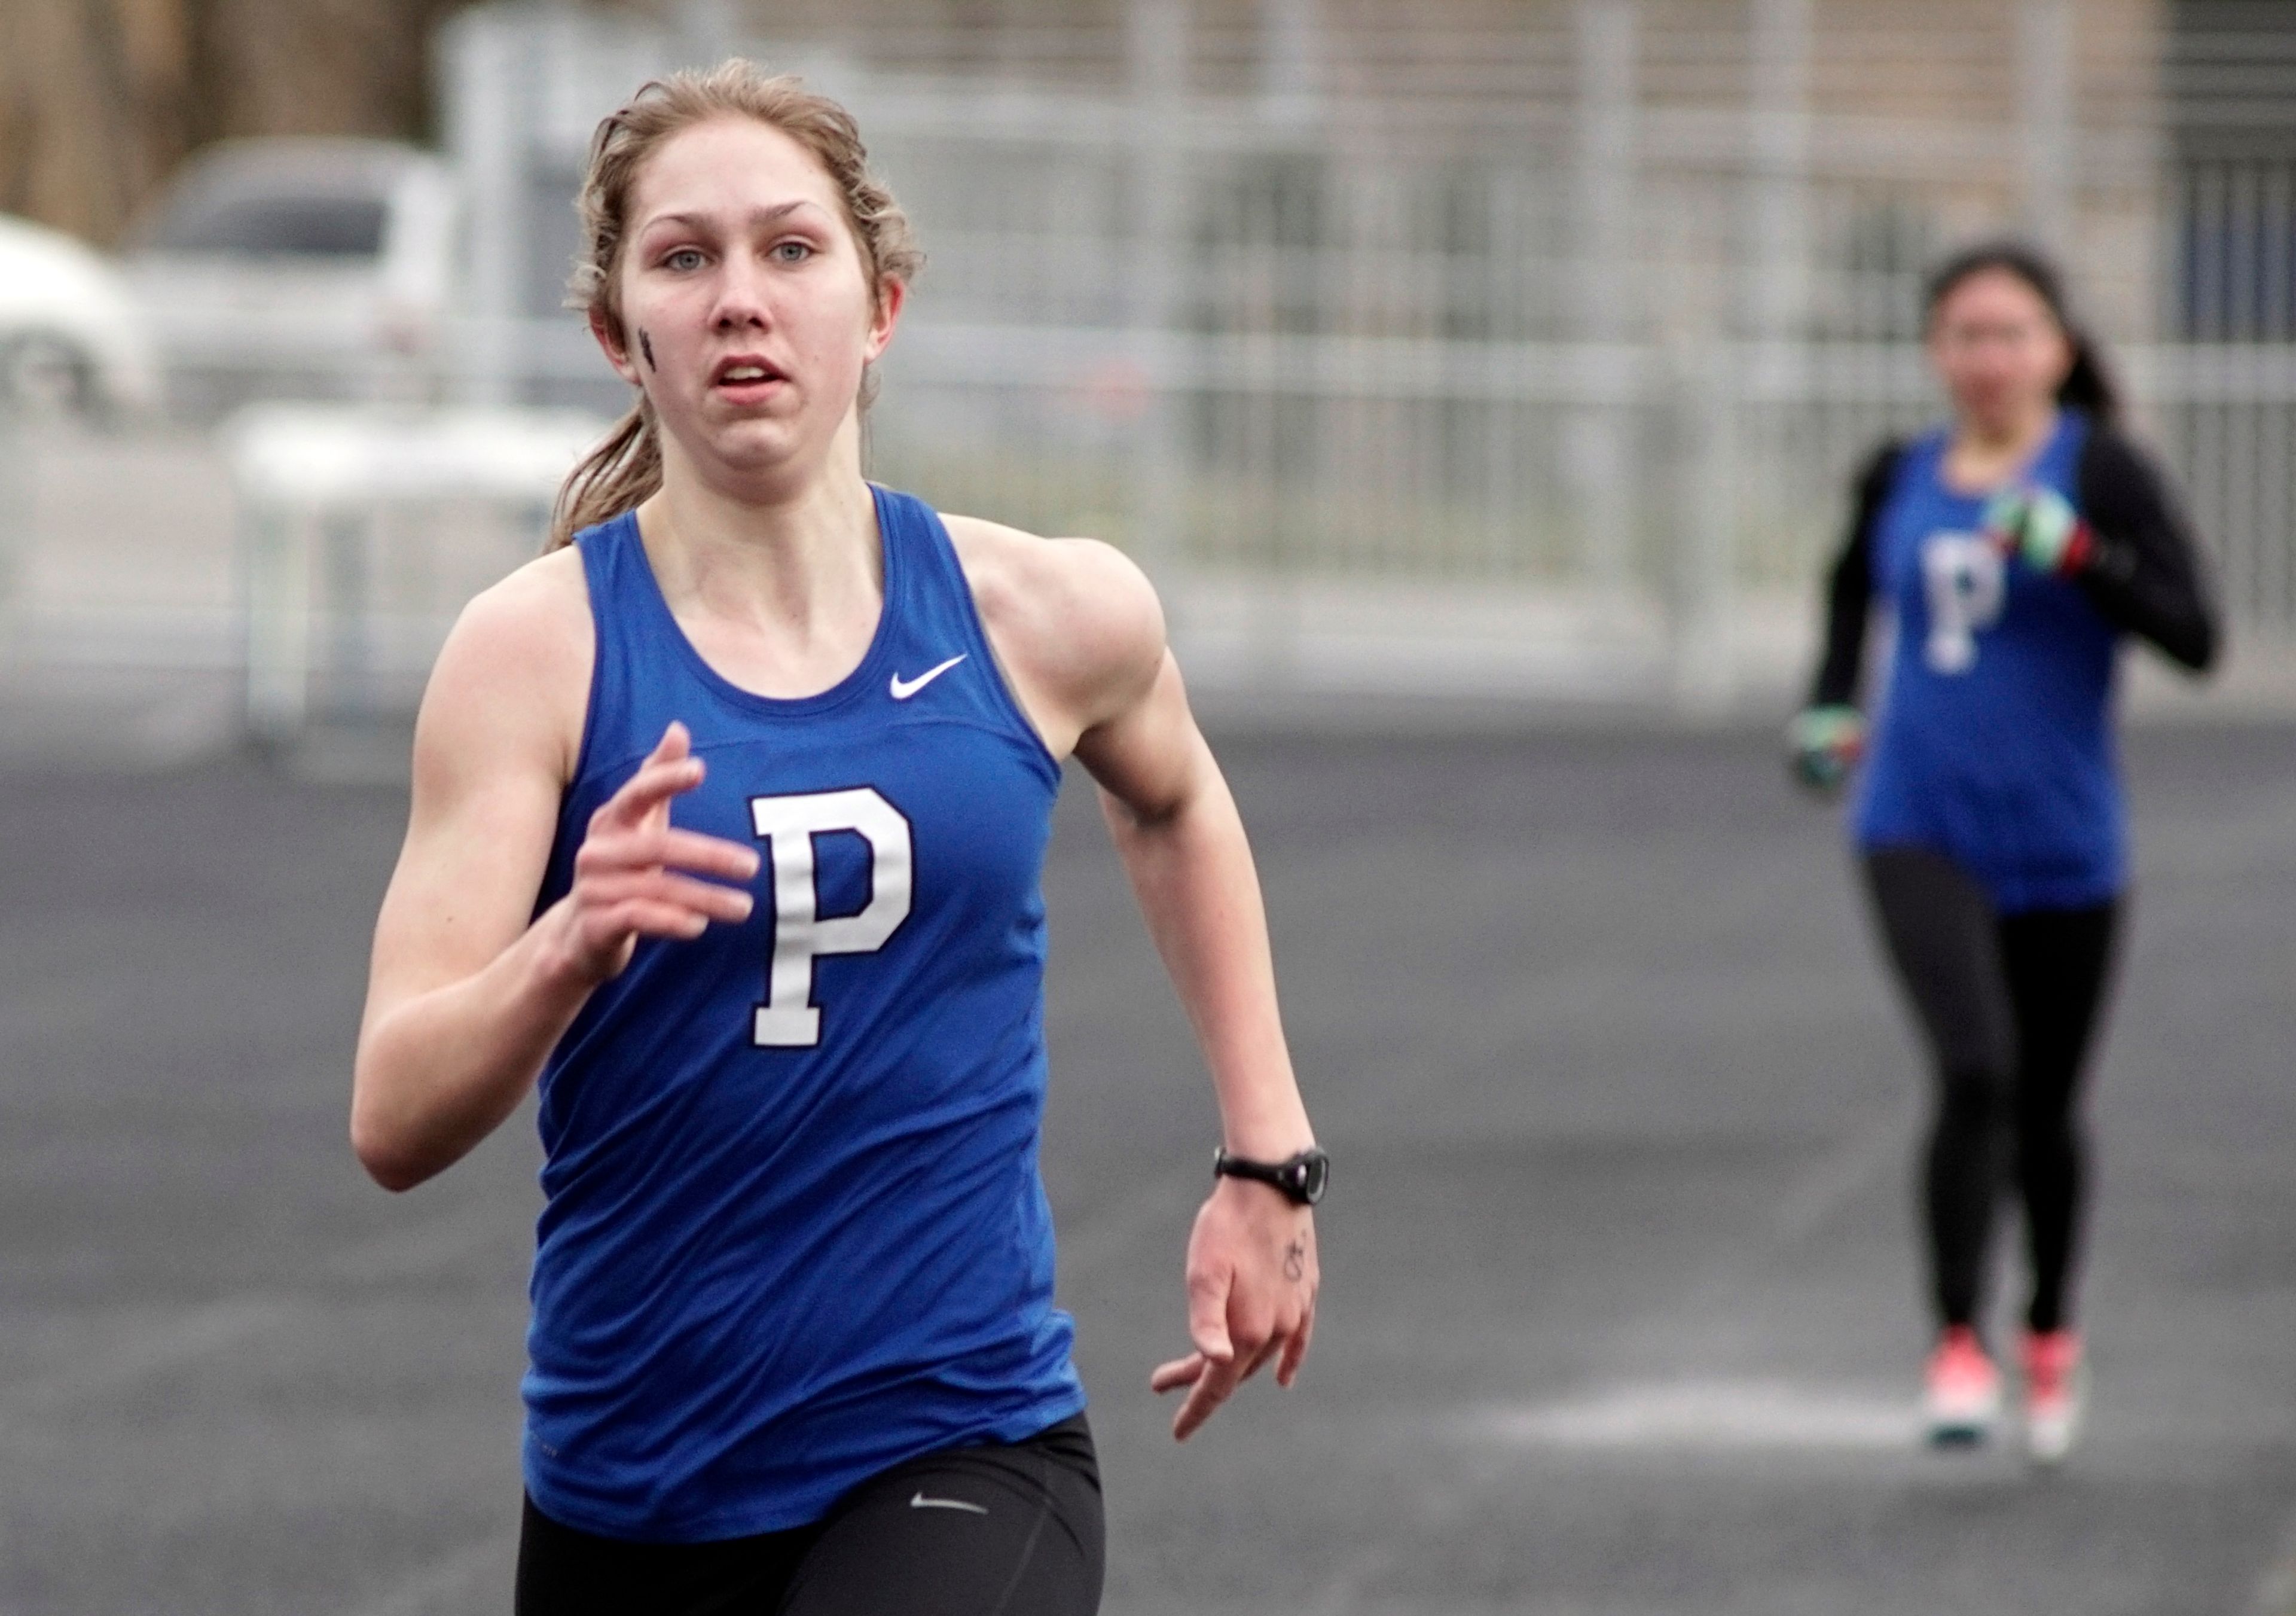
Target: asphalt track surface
x=1622, y=1315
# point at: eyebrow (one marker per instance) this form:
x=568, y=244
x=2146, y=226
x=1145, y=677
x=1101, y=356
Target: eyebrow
x=774, y=214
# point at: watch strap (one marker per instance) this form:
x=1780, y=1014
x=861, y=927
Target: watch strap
x=1300, y=1177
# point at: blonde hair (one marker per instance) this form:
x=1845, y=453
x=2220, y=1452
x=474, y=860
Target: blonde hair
x=626, y=467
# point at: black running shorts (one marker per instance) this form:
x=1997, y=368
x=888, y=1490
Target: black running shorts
x=1002, y=1530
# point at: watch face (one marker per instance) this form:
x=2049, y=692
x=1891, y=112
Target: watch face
x=1309, y=1174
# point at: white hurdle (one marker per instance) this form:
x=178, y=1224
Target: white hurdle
x=312, y=483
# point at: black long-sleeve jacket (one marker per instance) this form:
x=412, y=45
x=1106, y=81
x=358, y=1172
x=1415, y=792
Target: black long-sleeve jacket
x=2146, y=573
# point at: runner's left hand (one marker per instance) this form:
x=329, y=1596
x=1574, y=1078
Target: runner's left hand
x=1251, y=1297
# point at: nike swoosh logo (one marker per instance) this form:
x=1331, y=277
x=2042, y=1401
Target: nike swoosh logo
x=920, y=1501
x=903, y=689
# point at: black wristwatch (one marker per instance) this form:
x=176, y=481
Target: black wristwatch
x=1301, y=1179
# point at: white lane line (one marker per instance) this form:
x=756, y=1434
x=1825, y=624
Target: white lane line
x=1705, y=1415
x=453, y=1586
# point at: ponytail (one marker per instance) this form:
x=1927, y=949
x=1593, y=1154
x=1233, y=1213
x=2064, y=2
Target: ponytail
x=2089, y=385
x=624, y=468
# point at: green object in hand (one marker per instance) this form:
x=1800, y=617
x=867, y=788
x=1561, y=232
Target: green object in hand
x=1824, y=745
x=2039, y=526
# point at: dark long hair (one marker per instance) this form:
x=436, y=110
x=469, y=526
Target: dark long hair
x=2087, y=387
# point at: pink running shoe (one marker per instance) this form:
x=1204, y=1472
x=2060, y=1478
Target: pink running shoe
x=1961, y=1390
x=2057, y=1390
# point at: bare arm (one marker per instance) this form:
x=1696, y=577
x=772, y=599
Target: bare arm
x=1253, y=1272
x=468, y=991
x=1182, y=843
x=1083, y=639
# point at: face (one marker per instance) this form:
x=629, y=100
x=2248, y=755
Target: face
x=1997, y=349
x=747, y=311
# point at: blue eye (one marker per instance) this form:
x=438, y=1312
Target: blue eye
x=793, y=252
x=685, y=257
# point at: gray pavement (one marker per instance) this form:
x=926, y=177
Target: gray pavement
x=1621, y=1315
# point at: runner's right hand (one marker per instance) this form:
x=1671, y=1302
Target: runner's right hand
x=629, y=879
x=2039, y=526
x=1824, y=745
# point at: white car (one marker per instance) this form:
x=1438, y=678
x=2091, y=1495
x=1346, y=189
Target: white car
x=70, y=335
x=288, y=266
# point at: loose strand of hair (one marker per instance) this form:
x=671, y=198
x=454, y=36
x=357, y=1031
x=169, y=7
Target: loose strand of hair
x=623, y=469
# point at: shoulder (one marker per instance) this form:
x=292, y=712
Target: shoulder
x=1877, y=471
x=1870, y=490
x=537, y=617
x=1882, y=459
x=1893, y=455
x=1077, y=620
x=2109, y=453
x=2118, y=484
x=515, y=671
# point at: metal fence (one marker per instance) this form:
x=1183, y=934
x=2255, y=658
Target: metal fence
x=1463, y=323
x=1607, y=297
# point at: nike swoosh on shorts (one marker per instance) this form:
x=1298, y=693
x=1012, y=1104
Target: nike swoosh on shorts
x=922, y=1502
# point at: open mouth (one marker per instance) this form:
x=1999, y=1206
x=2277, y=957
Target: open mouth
x=744, y=371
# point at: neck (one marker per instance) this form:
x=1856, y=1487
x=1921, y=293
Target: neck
x=2009, y=438
x=791, y=553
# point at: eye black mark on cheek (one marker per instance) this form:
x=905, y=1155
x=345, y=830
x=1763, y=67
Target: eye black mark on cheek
x=646, y=347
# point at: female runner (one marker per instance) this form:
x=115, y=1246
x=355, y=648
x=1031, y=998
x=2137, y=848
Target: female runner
x=727, y=822
x=2015, y=545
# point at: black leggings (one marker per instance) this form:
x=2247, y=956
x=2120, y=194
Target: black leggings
x=993, y=1530
x=2008, y=1003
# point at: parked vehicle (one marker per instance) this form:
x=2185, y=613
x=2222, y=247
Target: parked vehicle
x=298, y=266
x=71, y=339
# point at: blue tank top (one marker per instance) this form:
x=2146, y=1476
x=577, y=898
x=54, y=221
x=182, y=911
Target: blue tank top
x=1993, y=744
x=794, y=1232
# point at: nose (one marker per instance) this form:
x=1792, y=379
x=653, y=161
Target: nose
x=741, y=303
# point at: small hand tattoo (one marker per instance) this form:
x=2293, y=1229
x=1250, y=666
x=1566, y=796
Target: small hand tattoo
x=1295, y=1260
x=646, y=347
